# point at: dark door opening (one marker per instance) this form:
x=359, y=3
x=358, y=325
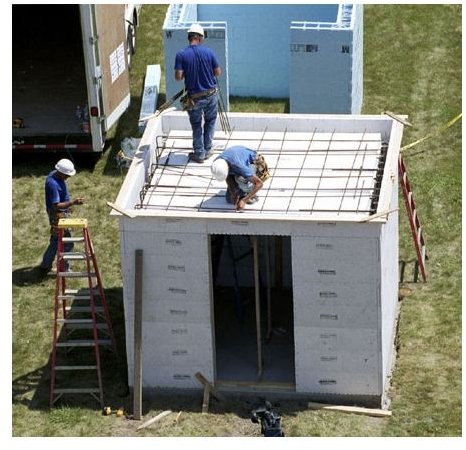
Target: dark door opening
x=253, y=309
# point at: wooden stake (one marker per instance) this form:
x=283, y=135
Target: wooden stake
x=205, y=400
x=154, y=419
x=258, y=305
x=212, y=390
x=137, y=386
x=350, y=409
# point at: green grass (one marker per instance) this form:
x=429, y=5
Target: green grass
x=412, y=65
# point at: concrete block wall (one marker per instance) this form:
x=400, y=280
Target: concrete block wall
x=269, y=52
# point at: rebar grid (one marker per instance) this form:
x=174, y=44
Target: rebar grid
x=354, y=182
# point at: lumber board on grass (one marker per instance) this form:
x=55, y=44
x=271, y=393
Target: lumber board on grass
x=154, y=419
x=350, y=409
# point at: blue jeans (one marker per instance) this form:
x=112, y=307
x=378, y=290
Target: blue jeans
x=202, y=139
x=51, y=251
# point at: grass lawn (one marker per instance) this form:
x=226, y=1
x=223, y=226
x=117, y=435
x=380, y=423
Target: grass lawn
x=412, y=65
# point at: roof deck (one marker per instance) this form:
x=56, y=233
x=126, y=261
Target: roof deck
x=310, y=172
x=331, y=168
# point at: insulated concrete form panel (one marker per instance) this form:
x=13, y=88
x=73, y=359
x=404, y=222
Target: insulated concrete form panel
x=177, y=334
x=343, y=267
x=311, y=54
x=259, y=51
x=177, y=22
x=326, y=66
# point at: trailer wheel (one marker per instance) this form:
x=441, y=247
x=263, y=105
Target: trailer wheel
x=130, y=43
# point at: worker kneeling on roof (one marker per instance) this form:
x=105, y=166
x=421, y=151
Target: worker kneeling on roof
x=244, y=170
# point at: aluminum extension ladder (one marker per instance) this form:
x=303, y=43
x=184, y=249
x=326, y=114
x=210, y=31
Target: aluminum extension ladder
x=414, y=223
x=81, y=318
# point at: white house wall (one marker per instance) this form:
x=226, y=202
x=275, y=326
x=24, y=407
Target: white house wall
x=335, y=295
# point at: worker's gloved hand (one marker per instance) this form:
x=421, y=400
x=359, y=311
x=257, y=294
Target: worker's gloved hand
x=240, y=204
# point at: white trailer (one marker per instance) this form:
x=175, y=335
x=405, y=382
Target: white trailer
x=297, y=294
x=70, y=74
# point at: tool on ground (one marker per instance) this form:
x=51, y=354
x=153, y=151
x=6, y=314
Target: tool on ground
x=222, y=114
x=81, y=318
x=108, y=411
x=18, y=122
x=269, y=420
x=163, y=107
x=414, y=222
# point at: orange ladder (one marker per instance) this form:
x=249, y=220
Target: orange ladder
x=414, y=223
x=78, y=310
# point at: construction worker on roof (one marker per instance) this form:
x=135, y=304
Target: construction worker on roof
x=244, y=171
x=199, y=67
x=58, y=204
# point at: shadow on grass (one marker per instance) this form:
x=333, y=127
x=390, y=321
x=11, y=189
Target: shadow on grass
x=114, y=368
x=26, y=276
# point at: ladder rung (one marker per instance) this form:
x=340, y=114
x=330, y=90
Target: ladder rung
x=74, y=256
x=73, y=239
x=78, y=294
x=76, y=274
x=84, y=343
x=75, y=367
x=77, y=391
x=86, y=326
x=83, y=309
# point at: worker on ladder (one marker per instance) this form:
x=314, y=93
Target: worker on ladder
x=58, y=204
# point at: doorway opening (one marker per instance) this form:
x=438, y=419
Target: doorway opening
x=253, y=309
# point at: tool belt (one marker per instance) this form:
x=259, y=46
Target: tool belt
x=203, y=94
x=187, y=100
x=262, y=169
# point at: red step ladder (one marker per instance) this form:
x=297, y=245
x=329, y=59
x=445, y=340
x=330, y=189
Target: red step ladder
x=81, y=318
x=414, y=223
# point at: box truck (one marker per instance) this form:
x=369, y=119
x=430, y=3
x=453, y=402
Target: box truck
x=70, y=75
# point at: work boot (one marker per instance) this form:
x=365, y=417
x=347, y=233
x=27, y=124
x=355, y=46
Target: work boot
x=193, y=157
x=253, y=200
x=209, y=154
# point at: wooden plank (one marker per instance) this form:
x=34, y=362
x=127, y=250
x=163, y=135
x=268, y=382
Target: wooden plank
x=351, y=409
x=137, y=393
x=121, y=210
x=205, y=400
x=154, y=419
x=258, y=306
x=203, y=380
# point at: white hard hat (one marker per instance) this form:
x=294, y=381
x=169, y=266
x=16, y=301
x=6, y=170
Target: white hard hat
x=196, y=28
x=66, y=167
x=219, y=169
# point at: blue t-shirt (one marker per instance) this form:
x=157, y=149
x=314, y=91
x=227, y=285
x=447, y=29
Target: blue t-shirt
x=56, y=191
x=198, y=64
x=239, y=158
